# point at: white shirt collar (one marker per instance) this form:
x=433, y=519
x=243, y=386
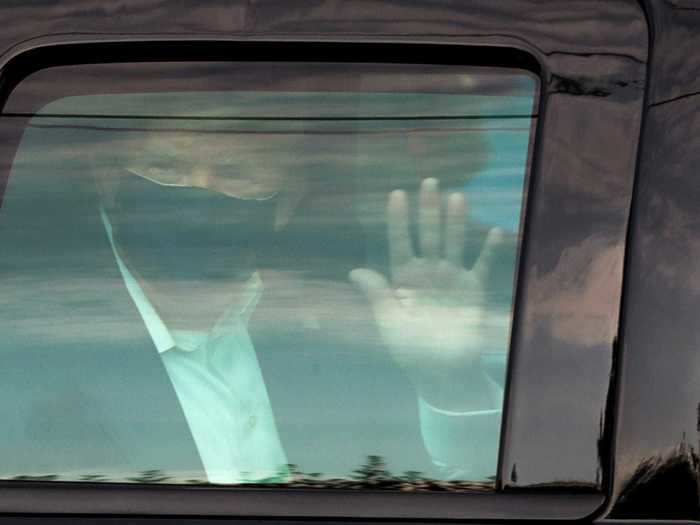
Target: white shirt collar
x=163, y=338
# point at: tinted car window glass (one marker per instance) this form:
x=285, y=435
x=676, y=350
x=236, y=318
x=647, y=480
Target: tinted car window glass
x=260, y=273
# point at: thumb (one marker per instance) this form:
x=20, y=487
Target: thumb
x=375, y=287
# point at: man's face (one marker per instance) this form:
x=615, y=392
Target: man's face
x=189, y=211
x=247, y=166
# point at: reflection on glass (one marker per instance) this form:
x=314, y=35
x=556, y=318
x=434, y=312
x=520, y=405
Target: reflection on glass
x=289, y=288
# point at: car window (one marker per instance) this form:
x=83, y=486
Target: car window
x=260, y=273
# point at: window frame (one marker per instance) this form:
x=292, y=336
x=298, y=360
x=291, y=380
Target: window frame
x=550, y=502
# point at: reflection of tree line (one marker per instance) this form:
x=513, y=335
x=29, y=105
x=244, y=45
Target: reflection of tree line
x=372, y=474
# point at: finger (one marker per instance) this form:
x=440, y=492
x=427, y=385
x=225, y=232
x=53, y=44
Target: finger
x=429, y=218
x=400, y=250
x=377, y=290
x=455, y=228
x=489, y=254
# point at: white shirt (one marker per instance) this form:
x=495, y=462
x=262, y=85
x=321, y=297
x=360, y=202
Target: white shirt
x=221, y=390
x=220, y=387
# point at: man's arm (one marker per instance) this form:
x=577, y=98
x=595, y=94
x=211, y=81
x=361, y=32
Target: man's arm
x=433, y=314
x=463, y=444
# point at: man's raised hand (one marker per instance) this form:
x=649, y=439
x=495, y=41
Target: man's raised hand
x=431, y=310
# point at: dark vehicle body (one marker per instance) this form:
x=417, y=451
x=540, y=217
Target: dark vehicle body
x=602, y=413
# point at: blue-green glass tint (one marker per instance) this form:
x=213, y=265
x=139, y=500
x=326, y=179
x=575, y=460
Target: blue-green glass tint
x=303, y=284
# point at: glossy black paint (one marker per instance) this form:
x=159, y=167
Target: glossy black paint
x=593, y=56
x=656, y=446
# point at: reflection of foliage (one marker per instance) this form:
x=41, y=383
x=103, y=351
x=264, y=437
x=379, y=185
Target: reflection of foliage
x=372, y=474
x=93, y=477
x=412, y=476
x=150, y=476
x=45, y=477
